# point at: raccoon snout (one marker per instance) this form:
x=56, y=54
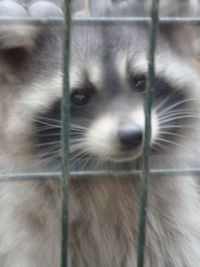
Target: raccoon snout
x=130, y=135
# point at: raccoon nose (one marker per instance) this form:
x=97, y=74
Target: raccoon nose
x=130, y=135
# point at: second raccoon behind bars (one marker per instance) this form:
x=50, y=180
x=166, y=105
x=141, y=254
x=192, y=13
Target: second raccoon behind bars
x=108, y=67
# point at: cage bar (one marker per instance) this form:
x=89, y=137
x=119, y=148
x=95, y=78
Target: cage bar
x=162, y=20
x=146, y=149
x=46, y=21
x=66, y=118
x=65, y=138
x=95, y=174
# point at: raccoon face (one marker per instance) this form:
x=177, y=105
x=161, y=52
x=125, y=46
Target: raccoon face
x=108, y=73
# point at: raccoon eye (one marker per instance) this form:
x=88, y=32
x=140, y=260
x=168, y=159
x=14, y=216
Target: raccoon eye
x=140, y=83
x=80, y=97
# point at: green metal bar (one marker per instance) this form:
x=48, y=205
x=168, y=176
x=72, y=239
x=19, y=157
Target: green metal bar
x=66, y=120
x=162, y=20
x=43, y=21
x=92, y=174
x=146, y=149
x=65, y=137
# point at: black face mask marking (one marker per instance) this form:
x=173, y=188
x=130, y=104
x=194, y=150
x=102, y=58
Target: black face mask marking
x=48, y=130
x=86, y=105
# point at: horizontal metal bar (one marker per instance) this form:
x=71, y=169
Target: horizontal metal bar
x=162, y=20
x=94, y=174
x=43, y=21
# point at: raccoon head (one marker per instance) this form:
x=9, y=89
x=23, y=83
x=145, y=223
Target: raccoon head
x=108, y=72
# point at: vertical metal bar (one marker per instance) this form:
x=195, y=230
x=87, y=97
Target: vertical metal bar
x=145, y=158
x=65, y=137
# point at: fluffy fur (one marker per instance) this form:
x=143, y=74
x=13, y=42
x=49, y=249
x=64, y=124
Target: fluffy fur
x=107, y=72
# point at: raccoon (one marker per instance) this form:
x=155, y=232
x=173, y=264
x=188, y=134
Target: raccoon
x=108, y=72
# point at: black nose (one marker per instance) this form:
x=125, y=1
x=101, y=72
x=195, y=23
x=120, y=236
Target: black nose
x=130, y=135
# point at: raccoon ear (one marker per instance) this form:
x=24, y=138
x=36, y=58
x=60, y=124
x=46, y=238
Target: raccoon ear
x=180, y=8
x=21, y=44
x=12, y=36
x=23, y=36
x=183, y=37
x=44, y=9
x=137, y=7
x=111, y=8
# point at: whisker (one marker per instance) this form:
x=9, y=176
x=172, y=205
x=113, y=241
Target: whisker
x=163, y=102
x=46, y=123
x=169, y=141
x=178, y=118
x=48, y=153
x=174, y=134
x=179, y=110
x=160, y=146
x=47, y=144
x=45, y=128
x=77, y=126
x=78, y=141
x=172, y=114
x=48, y=134
x=181, y=126
x=49, y=119
x=176, y=104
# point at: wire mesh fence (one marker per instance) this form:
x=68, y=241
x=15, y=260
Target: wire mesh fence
x=146, y=148
x=66, y=173
x=65, y=137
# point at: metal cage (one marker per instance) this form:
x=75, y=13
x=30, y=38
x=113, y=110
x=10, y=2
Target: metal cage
x=145, y=170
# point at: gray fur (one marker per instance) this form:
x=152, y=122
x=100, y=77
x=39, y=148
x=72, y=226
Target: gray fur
x=103, y=213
